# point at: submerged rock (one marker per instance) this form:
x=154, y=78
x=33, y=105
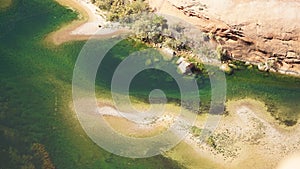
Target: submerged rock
x=226, y=68
x=249, y=67
x=233, y=66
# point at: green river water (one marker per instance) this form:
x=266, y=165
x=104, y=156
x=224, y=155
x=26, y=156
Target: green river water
x=35, y=92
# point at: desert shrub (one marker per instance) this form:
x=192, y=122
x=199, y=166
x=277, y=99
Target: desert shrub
x=196, y=131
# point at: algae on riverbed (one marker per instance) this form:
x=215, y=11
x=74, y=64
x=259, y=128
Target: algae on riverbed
x=36, y=92
x=5, y=4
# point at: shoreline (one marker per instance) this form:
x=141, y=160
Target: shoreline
x=83, y=28
x=90, y=17
x=254, y=40
x=248, y=127
x=66, y=33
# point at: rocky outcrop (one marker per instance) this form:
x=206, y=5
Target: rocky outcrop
x=260, y=32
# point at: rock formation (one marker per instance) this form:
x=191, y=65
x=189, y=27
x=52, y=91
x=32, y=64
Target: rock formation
x=263, y=32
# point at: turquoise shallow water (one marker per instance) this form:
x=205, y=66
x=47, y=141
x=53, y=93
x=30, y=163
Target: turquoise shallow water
x=35, y=95
x=35, y=92
x=280, y=93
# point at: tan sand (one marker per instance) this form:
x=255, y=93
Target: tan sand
x=86, y=27
x=122, y=123
x=249, y=137
x=166, y=8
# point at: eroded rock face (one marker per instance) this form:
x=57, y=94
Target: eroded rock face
x=253, y=31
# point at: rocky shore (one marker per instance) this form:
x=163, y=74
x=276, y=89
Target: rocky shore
x=263, y=33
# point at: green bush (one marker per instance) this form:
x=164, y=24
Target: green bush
x=118, y=10
x=196, y=131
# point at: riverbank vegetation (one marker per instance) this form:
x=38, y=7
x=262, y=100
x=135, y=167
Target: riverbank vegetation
x=155, y=31
x=120, y=10
x=147, y=26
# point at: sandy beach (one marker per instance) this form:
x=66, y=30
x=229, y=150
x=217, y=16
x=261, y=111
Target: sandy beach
x=90, y=17
x=245, y=138
x=90, y=24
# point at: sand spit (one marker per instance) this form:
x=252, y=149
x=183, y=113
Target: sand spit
x=91, y=23
x=247, y=137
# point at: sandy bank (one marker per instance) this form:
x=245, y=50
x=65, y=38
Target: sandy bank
x=89, y=24
x=248, y=137
x=136, y=125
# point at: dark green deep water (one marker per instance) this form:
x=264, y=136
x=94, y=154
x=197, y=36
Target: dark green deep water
x=35, y=92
